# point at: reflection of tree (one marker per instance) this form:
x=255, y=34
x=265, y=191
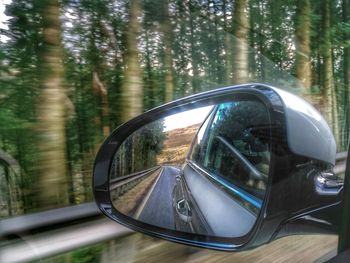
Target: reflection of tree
x=241, y=120
x=239, y=133
x=138, y=152
x=245, y=125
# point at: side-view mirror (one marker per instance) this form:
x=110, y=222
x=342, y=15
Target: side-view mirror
x=227, y=169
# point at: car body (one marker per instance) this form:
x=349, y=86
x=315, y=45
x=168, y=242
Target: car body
x=245, y=177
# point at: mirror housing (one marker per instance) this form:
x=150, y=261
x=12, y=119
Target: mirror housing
x=298, y=198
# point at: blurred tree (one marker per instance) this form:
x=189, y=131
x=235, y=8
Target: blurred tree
x=303, y=34
x=51, y=113
x=19, y=85
x=111, y=60
x=182, y=50
x=227, y=27
x=240, y=60
x=194, y=48
x=167, y=31
x=329, y=97
x=346, y=64
x=132, y=88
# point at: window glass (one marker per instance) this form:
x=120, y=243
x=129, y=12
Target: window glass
x=235, y=144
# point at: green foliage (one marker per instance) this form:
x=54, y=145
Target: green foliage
x=94, y=38
x=138, y=152
x=87, y=255
x=338, y=32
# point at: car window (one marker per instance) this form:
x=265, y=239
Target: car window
x=232, y=132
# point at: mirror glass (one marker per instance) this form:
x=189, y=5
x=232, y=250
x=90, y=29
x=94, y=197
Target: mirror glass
x=203, y=170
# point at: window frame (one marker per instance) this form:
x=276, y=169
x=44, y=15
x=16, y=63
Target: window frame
x=218, y=179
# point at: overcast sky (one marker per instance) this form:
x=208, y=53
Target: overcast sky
x=3, y=17
x=186, y=118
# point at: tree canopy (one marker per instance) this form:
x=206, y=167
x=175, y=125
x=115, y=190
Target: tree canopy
x=72, y=71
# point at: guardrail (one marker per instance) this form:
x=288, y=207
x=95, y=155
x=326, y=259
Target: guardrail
x=53, y=242
x=15, y=226
x=57, y=231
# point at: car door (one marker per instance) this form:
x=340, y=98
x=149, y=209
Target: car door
x=221, y=164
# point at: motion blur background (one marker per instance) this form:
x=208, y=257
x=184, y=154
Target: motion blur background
x=71, y=71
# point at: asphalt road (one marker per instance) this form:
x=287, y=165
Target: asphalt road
x=158, y=209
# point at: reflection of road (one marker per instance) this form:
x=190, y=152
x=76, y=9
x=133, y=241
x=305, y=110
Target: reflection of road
x=159, y=208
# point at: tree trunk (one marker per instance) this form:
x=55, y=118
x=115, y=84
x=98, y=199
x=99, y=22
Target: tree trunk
x=132, y=87
x=346, y=37
x=253, y=62
x=151, y=87
x=52, y=182
x=101, y=91
x=261, y=44
x=168, y=39
x=303, y=51
x=220, y=73
x=228, y=44
x=70, y=173
x=329, y=96
x=8, y=194
x=240, y=48
x=194, y=60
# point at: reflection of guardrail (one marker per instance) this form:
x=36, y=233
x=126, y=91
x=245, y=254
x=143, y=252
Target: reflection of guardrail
x=122, y=184
x=81, y=225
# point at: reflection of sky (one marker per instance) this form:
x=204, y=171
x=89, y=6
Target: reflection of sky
x=186, y=118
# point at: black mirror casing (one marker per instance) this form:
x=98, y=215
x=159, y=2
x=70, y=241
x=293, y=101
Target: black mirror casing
x=292, y=204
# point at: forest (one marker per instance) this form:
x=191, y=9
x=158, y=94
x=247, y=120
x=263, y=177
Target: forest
x=71, y=71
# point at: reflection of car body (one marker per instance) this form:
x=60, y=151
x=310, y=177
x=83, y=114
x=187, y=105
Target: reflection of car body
x=228, y=160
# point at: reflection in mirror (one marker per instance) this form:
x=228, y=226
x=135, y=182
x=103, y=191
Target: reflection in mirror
x=201, y=171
